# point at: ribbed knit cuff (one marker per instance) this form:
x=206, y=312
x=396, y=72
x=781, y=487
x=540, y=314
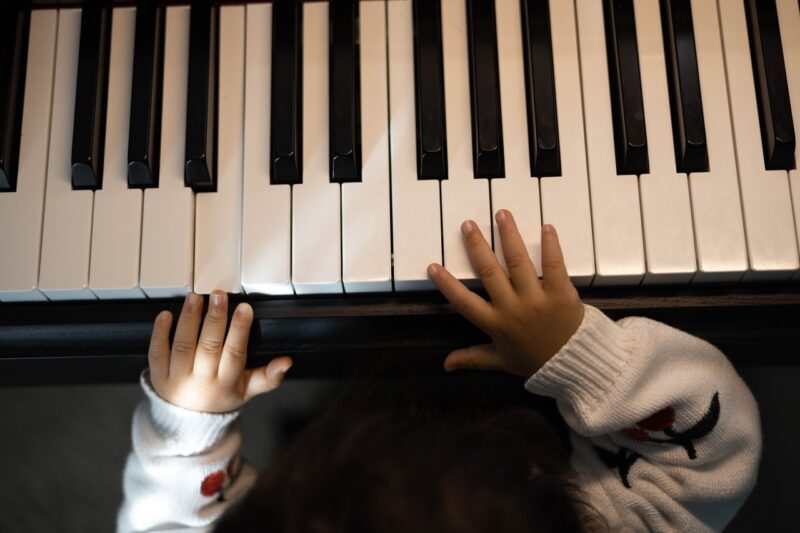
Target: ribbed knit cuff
x=178, y=424
x=585, y=368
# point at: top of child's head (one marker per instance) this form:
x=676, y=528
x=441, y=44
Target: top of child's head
x=470, y=453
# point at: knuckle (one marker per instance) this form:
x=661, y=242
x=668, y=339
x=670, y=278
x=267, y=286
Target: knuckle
x=486, y=271
x=551, y=263
x=516, y=260
x=236, y=352
x=182, y=346
x=465, y=308
x=210, y=345
x=215, y=315
x=469, y=361
x=474, y=239
x=567, y=296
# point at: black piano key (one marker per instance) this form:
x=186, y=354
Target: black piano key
x=345, y=105
x=540, y=88
x=686, y=102
x=144, y=139
x=14, y=28
x=91, y=95
x=627, y=106
x=429, y=84
x=772, y=92
x=487, y=128
x=287, y=93
x=201, y=108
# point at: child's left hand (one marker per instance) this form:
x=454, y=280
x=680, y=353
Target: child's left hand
x=209, y=374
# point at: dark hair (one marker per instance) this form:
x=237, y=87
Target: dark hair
x=469, y=452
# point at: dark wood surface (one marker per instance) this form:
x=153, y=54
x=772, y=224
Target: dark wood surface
x=106, y=341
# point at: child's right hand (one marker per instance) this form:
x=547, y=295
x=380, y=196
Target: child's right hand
x=528, y=319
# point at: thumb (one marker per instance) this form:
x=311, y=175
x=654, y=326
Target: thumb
x=479, y=357
x=266, y=378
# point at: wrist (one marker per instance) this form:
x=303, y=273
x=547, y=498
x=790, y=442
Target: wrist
x=187, y=430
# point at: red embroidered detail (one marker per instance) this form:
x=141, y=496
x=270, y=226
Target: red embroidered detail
x=659, y=421
x=212, y=483
x=637, y=434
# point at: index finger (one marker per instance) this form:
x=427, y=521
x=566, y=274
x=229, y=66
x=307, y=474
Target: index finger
x=554, y=271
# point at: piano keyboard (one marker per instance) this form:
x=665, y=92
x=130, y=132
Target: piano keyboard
x=282, y=148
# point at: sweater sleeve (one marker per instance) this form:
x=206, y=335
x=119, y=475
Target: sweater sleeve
x=666, y=436
x=185, y=467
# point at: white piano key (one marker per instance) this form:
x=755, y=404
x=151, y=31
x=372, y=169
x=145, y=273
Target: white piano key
x=218, y=221
x=664, y=193
x=316, y=237
x=21, y=211
x=716, y=206
x=366, y=231
x=117, y=222
x=463, y=197
x=789, y=22
x=168, y=215
x=616, y=218
x=518, y=191
x=565, y=199
x=416, y=222
x=266, y=215
x=67, y=231
x=766, y=201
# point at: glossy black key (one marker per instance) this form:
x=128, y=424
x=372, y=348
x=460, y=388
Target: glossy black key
x=201, y=107
x=144, y=138
x=487, y=128
x=14, y=28
x=286, y=140
x=627, y=106
x=429, y=84
x=540, y=88
x=772, y=92
x=686, y=102
x=91, y=95
x=345, y=105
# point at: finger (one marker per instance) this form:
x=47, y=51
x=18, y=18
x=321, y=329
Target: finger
x=479, y=357
x=470, y=305
x=212, y=336
x=266, y=378
x=234, y=353
x=554, y=271
x=484, y=261
x=520, y=267
x=158, y=353
x=185, y=341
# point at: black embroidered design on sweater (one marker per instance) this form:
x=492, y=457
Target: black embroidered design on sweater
x=662, y=421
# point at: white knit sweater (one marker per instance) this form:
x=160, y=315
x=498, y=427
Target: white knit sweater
x=666, y=436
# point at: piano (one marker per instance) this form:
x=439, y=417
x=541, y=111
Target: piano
x=312, y=158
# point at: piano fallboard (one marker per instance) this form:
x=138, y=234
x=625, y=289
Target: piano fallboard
x=106, y=342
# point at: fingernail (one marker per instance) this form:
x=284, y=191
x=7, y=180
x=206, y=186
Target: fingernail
x=467, y=226
x=548, y=228
x=193, y=299
x=502, y=215
x=281, y=372
x=433, y=268
x=217, y=297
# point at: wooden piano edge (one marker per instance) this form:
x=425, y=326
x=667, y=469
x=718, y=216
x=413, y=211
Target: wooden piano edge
x=330, y=336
